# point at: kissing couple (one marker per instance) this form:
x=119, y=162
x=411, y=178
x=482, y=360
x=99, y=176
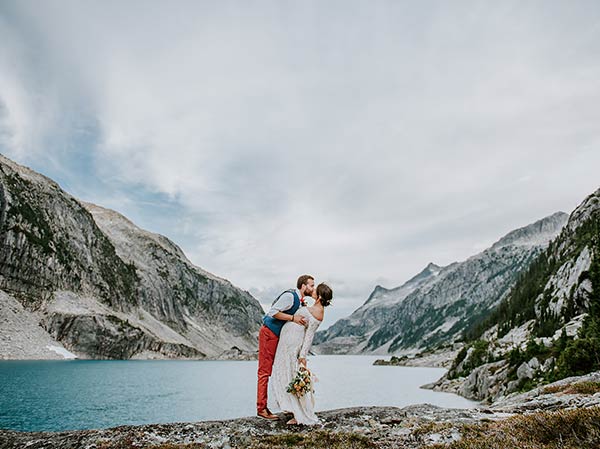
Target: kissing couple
x=283, y=344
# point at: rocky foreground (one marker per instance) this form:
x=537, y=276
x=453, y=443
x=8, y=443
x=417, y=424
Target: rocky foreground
x=384, y=427
x=562, y=414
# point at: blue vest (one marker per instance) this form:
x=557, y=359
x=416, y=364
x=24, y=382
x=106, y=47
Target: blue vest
x=274, y=324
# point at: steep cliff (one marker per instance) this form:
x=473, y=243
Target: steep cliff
x=105, y=288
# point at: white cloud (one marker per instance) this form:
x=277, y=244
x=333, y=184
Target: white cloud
x=351, y=140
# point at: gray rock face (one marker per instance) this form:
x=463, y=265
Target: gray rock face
x=568, y=287
x=104, y=287
x=484, y=381
x=585, y=211
x=527, y=369
x=207, y=310
x=49, y=242
x=440, y=302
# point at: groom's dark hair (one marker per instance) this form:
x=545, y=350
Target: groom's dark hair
x=303, y=280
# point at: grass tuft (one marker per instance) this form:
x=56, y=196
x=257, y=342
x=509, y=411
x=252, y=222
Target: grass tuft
x=431, y=427
x=577, y=388
x=579, y=428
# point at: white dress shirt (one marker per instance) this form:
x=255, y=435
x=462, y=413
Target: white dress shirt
x=285, y=302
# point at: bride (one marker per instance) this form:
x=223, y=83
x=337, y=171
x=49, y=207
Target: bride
x=294, y=343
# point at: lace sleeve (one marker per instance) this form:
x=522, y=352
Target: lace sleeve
x=308, y=338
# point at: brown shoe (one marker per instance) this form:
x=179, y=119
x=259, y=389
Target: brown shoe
x=266, y=414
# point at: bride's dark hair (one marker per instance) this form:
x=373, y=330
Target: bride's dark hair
x=325, y=293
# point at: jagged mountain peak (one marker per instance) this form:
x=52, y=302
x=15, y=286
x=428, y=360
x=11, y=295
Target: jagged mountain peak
x=381, y=295
x=377, y=292
x=534, y=234
x=430, y=269
x=379, y=288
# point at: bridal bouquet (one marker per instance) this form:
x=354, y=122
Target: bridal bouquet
x=302, y=383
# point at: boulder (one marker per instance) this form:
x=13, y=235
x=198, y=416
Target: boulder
x=485, y=381
x=527, y=370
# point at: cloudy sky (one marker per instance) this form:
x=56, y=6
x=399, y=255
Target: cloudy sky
x=353, y=140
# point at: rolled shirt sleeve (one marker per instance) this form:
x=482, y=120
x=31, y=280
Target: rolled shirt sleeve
x=285, y=302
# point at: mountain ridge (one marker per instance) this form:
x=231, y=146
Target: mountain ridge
x=437, y=303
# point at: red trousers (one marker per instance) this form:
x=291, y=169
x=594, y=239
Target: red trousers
x=267, y=345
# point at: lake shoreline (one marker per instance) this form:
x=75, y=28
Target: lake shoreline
x=57, y=353
x=440, y=358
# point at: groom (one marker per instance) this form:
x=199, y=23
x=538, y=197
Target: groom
x=282, y=310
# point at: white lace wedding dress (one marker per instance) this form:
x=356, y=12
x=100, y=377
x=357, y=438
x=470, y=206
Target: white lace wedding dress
x=295, y=341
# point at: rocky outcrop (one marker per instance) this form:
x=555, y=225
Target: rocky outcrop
x=486, y=382
x=439, y=303
x=568, y=393
x=104, y=288
x=364, y=427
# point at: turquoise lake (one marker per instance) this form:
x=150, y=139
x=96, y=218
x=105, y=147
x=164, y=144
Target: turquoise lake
x=85, y=394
